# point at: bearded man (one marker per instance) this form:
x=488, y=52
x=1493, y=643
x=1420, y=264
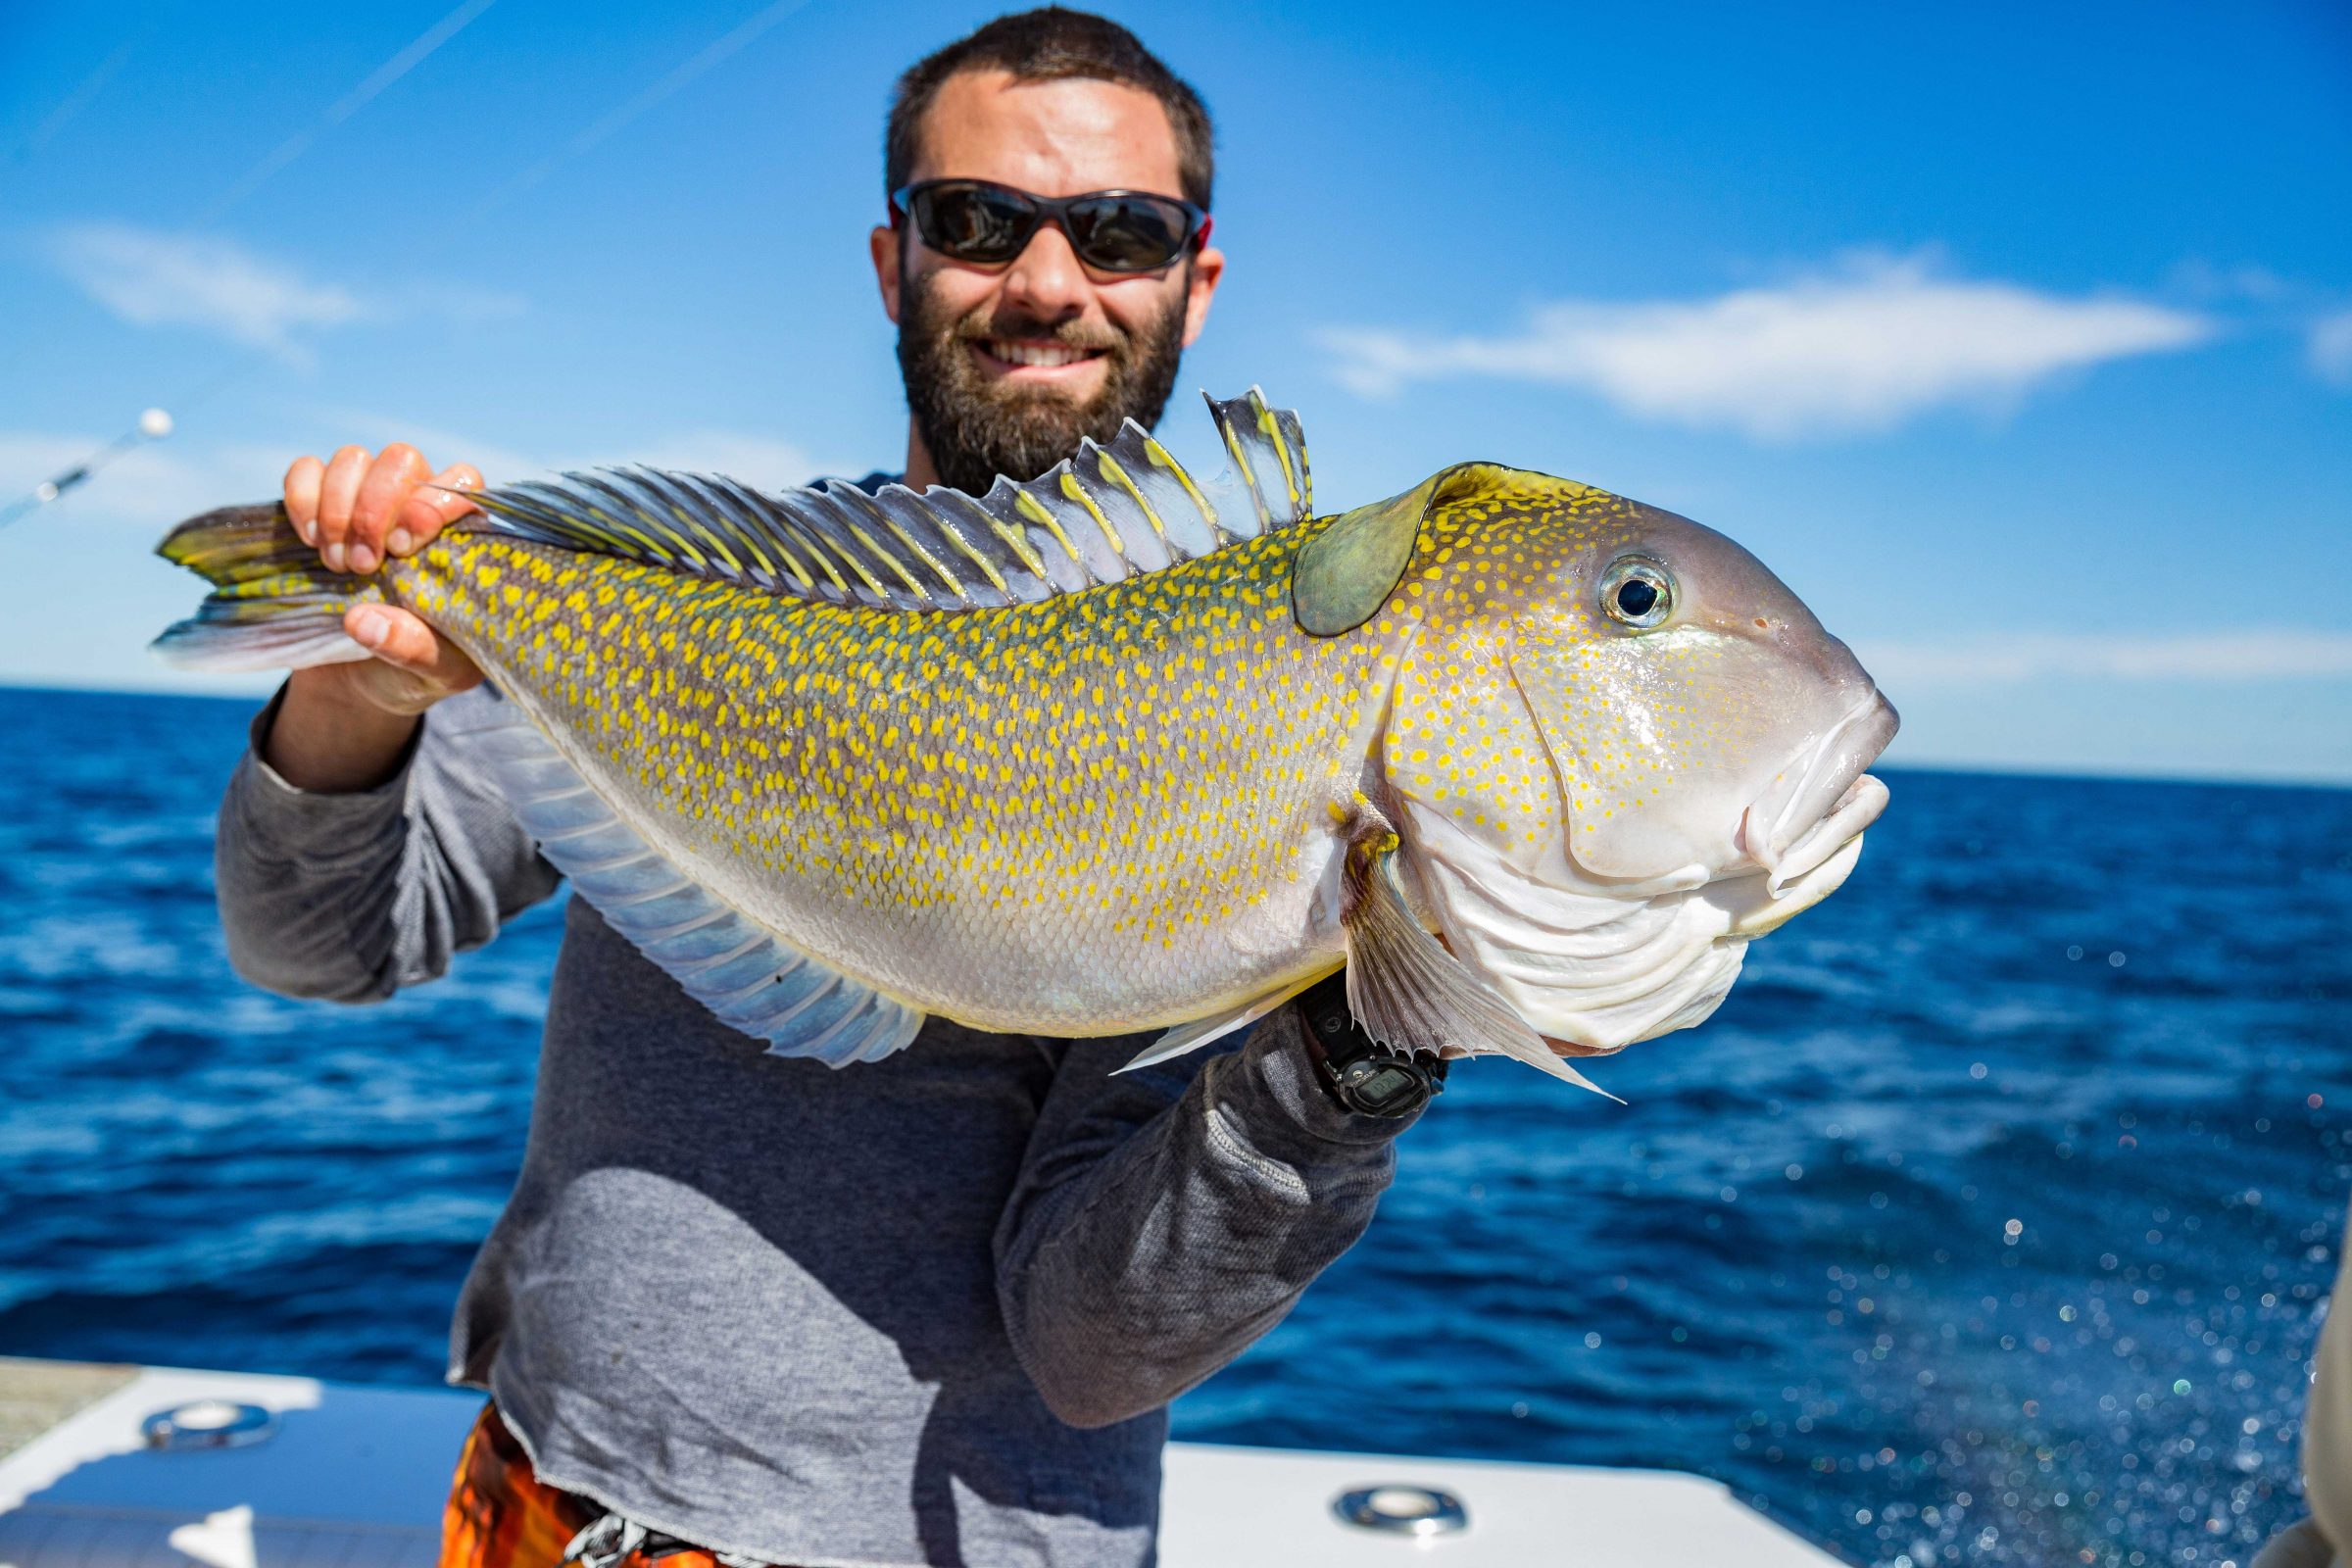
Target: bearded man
x=925, y=1310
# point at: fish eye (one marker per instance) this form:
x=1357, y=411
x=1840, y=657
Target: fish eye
x=1638, y=592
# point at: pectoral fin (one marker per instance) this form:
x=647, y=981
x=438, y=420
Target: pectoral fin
x=1346, y=572
x=1407, y=991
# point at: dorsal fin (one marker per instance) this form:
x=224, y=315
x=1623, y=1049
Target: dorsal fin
x=1269, y=449
x=1107, y=514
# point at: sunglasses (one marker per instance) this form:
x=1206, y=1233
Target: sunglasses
x=1110, y=230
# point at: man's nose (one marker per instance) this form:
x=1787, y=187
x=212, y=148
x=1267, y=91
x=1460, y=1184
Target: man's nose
x=1046, y=281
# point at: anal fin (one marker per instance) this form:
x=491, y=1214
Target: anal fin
x=749, y=978
x=1407, y=991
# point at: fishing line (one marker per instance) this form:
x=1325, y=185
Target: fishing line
x=415, y=53
x=613, y=119
x=402, y=61
x=78, y=99
x=384, y=76
x=152, y=425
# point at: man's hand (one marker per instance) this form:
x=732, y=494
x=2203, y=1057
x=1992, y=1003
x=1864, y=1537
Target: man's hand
x=343, y=727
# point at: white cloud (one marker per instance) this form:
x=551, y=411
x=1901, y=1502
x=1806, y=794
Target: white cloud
x=2207, y=657
x=155, y=277
x=2328, y=345
x=151, y=278
x=1859, y=348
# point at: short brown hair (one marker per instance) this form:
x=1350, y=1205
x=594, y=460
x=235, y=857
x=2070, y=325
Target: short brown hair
x=1043, y=45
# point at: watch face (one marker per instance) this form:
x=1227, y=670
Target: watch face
x=1384, y=1088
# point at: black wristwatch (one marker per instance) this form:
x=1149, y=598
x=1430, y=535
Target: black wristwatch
x=1361, y=1074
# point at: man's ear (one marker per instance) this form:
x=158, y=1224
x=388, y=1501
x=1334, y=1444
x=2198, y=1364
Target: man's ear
x=883, y=245
x=1199, y=287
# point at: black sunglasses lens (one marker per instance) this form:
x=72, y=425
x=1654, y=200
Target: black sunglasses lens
x=1128, y=233
x=973, y=223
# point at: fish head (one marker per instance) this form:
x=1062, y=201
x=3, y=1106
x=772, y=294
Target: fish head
x=1654, y=751
x=1700, y=719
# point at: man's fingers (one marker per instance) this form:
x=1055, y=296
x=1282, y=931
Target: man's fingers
x=302, y=497
x=338, y=491
x=386, y=486
x=432, y=507
x=360, y=511
x=423, y=668
x=394, y=636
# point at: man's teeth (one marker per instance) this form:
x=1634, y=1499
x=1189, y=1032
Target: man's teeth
x=1046, y=354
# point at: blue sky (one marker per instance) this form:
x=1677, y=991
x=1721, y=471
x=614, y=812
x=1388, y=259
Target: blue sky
x=2018, y=339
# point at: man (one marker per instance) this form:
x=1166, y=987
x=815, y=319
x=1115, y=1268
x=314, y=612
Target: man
x=925, y=1310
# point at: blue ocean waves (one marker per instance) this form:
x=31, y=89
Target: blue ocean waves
x=1988, y=1222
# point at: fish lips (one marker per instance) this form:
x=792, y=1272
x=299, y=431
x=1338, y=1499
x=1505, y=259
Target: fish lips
x=1806, y=819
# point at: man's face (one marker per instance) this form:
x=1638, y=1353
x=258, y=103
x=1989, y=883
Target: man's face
x=1009, y=366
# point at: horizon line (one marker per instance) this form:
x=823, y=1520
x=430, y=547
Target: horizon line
x=237, y=689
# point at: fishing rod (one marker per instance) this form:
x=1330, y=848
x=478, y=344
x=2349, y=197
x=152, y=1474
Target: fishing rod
x=152, y=425
x=155, y=423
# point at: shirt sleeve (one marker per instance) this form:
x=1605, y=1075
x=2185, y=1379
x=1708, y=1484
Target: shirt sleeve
x=350, y=896
x=1167, y=1218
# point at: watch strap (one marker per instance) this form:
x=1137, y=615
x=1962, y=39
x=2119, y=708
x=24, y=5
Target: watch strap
x=1360, y=1073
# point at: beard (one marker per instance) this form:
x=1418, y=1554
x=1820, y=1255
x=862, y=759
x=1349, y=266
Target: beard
x=977, y=427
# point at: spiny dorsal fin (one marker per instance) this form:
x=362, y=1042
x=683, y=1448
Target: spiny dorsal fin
x=1268, y=450
x=1107, y=514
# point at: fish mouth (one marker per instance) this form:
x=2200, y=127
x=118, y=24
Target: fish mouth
x=1806, y=819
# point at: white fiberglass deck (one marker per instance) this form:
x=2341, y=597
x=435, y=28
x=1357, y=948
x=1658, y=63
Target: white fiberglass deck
x=354, y=1478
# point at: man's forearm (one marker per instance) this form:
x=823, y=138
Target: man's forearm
x=1139, y=1260
x=352, y=893
x=325, y=740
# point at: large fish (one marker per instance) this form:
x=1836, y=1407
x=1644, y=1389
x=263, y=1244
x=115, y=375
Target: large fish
x=1113, y=750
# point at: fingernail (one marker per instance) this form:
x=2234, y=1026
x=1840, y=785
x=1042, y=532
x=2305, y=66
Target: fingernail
x=399, y=542
x=374, y=629
x=363, y=559
x=333, y=555
x=309, y=531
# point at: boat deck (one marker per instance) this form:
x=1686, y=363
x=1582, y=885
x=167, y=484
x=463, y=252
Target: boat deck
x=350, y=1477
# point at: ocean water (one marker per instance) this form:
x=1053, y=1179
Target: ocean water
x=1988, y=1222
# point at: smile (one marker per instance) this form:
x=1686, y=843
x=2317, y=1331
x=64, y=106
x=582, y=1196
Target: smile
x=1034, y=355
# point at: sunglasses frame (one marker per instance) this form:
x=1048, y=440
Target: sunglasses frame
x=1055, y=210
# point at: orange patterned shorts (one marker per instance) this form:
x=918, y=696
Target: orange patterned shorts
x=502, y=1515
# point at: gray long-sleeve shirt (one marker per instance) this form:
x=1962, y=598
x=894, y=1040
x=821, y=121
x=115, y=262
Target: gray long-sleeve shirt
x=925, y=1310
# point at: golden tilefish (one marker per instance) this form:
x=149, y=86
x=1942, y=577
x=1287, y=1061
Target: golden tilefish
x=1113, y=750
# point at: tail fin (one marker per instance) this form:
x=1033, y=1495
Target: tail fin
x=273, y=605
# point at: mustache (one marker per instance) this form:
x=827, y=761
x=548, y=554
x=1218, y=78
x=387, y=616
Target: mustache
x=981, y=324
x=977, y=427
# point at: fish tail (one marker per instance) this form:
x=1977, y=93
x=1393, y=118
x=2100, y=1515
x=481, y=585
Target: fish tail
x=273, y=603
